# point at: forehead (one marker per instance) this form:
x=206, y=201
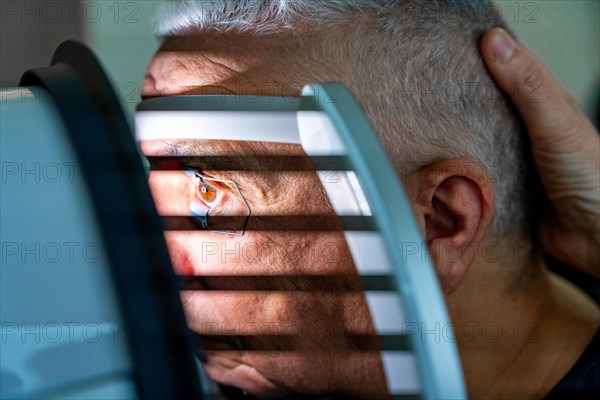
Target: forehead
x=226, y=64
x=268, y=65
x=232, y=148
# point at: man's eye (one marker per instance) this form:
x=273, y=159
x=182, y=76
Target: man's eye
x=207, y=199
x=207, y=193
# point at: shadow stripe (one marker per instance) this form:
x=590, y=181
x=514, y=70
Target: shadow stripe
x=291, y=223
x=268, y=163
x=297, y=283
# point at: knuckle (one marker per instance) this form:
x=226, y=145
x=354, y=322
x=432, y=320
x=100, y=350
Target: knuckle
x=566, y=126
x=531, y=73
x=529, y=85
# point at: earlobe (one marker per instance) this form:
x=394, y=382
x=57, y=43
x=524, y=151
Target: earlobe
x=454, y=205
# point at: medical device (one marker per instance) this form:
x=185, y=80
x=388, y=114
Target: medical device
x=89, y=304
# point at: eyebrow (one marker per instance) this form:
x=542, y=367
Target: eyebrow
x=222, y=159
x=204, y=155
x=215, y=155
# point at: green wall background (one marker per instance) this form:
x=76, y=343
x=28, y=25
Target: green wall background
x=124, y=41
x=565, y=34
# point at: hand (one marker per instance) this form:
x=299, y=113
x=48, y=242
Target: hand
x=565, y=147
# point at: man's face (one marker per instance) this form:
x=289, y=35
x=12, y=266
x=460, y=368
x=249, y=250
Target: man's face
x=262, y=302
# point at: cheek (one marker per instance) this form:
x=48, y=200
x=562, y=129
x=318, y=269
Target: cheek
x=153, y=148
x=238, y=312
x=211, y=254
x=172, y=192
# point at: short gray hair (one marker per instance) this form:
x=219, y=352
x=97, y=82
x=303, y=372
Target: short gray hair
x=415, y=68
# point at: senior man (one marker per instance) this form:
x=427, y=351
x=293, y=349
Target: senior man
x=458, y=148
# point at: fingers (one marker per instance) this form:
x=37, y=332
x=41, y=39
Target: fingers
x=564, y=147
x=573, y=248
x=548, y=111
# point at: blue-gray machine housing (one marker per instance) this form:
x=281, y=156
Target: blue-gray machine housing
x=89, y=128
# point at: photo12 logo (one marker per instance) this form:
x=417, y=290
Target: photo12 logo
x=70, y=12
x=38, y=172
x=51, y=252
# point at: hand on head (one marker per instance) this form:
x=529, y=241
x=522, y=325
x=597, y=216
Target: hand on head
x=565, y=147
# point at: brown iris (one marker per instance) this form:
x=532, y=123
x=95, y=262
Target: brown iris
x=207, y=193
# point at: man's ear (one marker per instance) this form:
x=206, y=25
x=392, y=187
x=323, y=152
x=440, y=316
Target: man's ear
x=453, y=202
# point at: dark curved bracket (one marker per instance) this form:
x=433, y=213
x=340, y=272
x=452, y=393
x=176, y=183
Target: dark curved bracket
x=160, y=344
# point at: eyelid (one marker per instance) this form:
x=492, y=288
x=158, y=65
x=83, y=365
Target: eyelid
x=215, y=183
x=211, y=182
x=220, y=182
x=220, y=202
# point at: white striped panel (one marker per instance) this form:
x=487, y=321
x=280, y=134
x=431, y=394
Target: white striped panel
x=257, y=126
x=400, y=367
x=387, y=312
x=368, y=253
x=340, y=192
x=401, y=372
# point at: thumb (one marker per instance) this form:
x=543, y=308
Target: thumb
x=546, y=109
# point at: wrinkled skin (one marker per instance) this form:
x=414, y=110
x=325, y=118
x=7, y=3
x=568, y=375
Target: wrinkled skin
x=280, y=333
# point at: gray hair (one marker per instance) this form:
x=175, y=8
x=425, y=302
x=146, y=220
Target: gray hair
x=416, y=70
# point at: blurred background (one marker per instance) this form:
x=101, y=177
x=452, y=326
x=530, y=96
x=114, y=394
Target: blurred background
x=564, y=33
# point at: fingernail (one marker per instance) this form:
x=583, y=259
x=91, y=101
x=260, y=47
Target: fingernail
x=503, y=46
